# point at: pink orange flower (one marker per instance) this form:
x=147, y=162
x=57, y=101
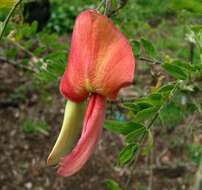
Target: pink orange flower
x=100, y=63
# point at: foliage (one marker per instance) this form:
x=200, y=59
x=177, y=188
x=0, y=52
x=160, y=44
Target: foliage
x=62, y=18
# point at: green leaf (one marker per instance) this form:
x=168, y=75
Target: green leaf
x=153, y=100
x=49, y=40
x=127, y=153
x=136, y=47
x=148, y=47
x=56, y=68
x=121, y=127
x=38, y=51
x=25, y=61
x=45, y=76
x=146, y=114
x=136, y=107
x=166, y=88
x=56, y=56
x=112, y=185
x=175, y=71
x=135, y=135
x=183, y=65
x=196, y=28
x=23, y=31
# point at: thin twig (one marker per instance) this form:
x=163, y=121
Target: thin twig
x=8, y=17
x=116, y=10
x=150, y=182
x=19, y=46
x=191, y=57
x=150, y=60
x=100, y=5
x=107, y=5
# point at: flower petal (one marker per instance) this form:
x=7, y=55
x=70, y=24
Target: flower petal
x=92, y=125
x=100, y=59
x=70, y=131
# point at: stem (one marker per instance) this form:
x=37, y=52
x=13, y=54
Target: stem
x=117, y=9
x=150, y=60
x=19, y=46
x=107, y=5
x=191, y=56
x=8, y=17
x=100, y=5
x=151, y=171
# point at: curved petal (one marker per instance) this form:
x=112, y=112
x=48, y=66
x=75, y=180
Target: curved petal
x=100, y=59
x=70, y=131
x=92, y=125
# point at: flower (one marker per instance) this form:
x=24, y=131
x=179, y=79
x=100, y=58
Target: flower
x=100, y=63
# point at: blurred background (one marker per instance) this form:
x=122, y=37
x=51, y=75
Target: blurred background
x=33, y=55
